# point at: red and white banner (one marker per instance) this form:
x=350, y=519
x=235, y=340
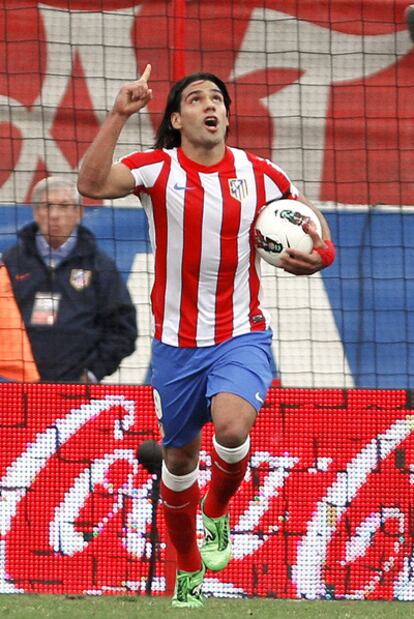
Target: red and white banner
x=325, y=511
x=324, y=89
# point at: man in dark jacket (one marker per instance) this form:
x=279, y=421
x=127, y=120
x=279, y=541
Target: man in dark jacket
x=77, y=309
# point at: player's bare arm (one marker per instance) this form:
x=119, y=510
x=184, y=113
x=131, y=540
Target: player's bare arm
x=98, y=176
x=326, y=233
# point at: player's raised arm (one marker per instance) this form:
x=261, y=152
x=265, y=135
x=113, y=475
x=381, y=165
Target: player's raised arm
x=98, y=176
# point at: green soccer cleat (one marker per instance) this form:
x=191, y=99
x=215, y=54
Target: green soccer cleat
x=216, y=548
x=187, y=592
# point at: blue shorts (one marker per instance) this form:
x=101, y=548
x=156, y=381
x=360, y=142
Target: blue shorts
x=185, y=380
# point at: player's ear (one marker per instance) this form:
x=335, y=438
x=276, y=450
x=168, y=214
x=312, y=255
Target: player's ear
x=175, y=120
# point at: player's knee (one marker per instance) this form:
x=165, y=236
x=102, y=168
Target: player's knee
x=180, y=462
x=232, y=424
x=230, y=434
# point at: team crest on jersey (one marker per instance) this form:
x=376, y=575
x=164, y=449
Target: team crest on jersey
x=238, y=188
x=79, y=278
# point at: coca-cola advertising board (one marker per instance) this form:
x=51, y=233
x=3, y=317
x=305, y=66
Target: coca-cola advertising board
x=325, y=510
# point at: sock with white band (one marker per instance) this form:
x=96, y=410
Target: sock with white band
x=231, y=455
x=178, y=483
x=181, y=497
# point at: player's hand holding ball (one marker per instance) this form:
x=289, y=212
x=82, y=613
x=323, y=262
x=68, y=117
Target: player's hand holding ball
x=288, y=236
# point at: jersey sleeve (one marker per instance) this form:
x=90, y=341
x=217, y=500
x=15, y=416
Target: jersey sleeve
x=277, y=184
x=145, y=167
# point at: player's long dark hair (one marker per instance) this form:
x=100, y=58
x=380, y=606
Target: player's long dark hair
x=167, y=136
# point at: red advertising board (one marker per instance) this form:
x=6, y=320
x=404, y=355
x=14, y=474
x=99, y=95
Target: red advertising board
x=325, y=511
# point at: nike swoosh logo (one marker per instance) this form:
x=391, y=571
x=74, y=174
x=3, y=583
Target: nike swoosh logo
x=209, y=536
x=258, y=398
x=178, y=187
x=197, y=589
x=21, y=276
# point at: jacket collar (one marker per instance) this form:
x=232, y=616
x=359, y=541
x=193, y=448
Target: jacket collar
x=85, y=243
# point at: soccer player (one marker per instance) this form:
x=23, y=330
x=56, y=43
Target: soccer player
x=211, y=350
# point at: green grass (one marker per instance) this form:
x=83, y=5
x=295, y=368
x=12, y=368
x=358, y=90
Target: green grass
x=123, y=607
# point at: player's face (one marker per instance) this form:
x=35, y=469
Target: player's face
x=57, y=215
x=202, y=119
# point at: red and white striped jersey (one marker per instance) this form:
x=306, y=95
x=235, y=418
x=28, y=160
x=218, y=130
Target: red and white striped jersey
x=207, y=273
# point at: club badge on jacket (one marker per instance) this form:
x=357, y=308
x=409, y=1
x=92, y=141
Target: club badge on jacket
x=80, y=278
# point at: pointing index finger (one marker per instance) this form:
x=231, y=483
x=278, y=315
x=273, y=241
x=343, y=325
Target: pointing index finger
x=147, y=72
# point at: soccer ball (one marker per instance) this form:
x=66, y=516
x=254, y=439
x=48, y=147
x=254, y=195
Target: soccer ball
x=279, y=225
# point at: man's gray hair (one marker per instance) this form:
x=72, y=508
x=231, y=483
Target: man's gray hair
x=53, y=182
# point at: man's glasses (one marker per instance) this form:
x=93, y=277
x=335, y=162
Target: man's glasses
x=63, y=207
